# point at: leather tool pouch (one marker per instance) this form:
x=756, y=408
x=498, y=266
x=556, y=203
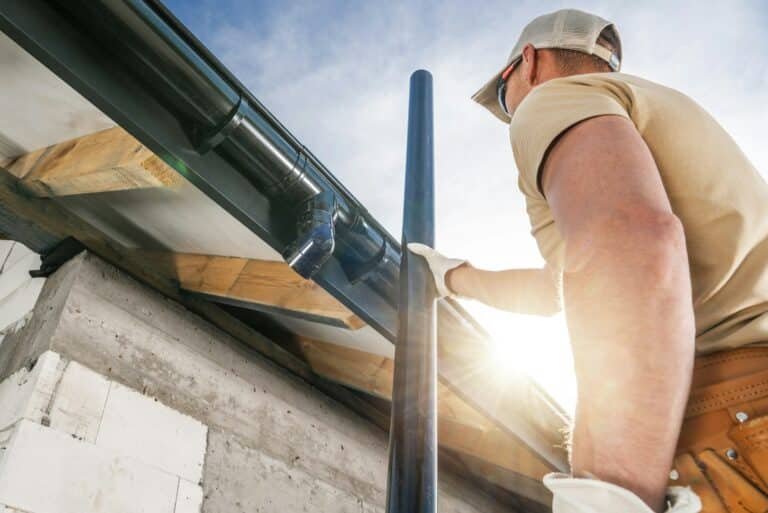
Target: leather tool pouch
x=723, y=449
x=751, y=440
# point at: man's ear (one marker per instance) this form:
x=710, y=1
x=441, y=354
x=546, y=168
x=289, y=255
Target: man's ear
x=529, y=64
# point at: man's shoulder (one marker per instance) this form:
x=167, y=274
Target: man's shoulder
x=551, y=109
x=587, y=83
x=574, y=93
x=600, y=79
x=590, y=91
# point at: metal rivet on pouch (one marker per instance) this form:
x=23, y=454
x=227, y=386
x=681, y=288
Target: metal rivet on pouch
x=674, y=475
x=742, y=416
x=732, y=454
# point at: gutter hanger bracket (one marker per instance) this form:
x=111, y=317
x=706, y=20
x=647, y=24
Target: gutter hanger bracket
x=358, y=272
x=219, y=134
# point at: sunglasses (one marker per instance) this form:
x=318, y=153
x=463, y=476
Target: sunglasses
x=501, y=86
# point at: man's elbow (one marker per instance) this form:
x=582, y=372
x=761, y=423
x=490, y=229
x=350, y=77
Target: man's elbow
x=662, y=242
x=634, y=267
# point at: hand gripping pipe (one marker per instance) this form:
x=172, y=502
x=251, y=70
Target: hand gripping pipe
x=412, y=481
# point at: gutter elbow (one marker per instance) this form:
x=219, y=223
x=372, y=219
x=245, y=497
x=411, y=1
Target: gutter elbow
x=316, y=240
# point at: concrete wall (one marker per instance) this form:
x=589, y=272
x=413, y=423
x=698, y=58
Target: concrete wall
x=115, y=399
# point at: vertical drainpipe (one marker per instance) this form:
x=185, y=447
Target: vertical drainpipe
x=412, y=480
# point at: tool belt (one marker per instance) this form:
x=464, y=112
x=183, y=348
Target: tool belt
x=722, y=452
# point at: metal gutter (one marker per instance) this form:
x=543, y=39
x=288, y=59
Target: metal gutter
x=138, y=64
x=132, y=62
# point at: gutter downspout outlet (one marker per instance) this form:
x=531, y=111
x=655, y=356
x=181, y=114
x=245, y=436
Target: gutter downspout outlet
x=316, y=240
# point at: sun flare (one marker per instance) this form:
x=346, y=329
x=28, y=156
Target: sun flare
x=535, y=346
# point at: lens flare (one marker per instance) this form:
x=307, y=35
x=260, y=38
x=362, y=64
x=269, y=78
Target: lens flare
x=535, y=346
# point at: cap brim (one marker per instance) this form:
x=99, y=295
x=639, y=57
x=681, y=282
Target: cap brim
x=486, y=97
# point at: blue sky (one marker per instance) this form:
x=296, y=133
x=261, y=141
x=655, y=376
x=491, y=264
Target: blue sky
x=336, y=74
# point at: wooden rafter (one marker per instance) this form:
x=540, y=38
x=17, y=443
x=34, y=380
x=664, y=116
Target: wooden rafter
x=362, y=371
x=269, y=284
x=524, y=485
x=110, y=160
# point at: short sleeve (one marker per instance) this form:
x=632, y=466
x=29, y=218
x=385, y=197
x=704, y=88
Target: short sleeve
x=548, y=111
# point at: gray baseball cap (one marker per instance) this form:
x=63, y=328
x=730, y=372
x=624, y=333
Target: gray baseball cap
x=569, y=29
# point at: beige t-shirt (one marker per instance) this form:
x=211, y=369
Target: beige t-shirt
x=718, y=195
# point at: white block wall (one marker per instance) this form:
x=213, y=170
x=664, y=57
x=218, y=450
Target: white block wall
x=18, y=290
x=72, y=441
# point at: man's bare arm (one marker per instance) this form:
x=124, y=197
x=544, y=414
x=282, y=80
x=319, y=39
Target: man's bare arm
x=527, y=291
x=627, y=297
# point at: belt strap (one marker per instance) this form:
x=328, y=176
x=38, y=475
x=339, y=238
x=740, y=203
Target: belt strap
x=729, y=378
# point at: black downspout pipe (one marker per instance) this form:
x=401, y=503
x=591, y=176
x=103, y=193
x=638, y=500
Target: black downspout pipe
x=412, y=481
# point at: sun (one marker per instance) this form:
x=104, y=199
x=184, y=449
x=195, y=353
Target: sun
x=536, y=346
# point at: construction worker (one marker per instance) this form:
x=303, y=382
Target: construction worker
x=654, y=228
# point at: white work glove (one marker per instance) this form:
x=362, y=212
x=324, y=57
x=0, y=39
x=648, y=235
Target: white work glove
x=573, y=495
x=438, y=264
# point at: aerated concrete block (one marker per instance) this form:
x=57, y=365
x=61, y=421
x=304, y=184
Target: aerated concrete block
x=78, y=404
x=143, y=428
x=46, y=471
x=189, y=498
x=26, y=394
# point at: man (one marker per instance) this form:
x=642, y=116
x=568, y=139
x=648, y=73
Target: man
x=654, y=227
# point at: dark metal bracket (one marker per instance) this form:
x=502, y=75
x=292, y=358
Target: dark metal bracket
x=360, y=272
x=221, y=132
x=60, y=254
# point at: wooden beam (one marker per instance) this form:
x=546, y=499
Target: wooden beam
x=539, y=499
x=14, y=227
x=110, y=160
x=372, y=374
x=492, y=445
x=265, y=283
x=362, y=371
x=461, y=428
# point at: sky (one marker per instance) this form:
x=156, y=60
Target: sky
x=336, y=74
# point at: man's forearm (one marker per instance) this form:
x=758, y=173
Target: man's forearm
x=630, y=317
x=529, y=291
